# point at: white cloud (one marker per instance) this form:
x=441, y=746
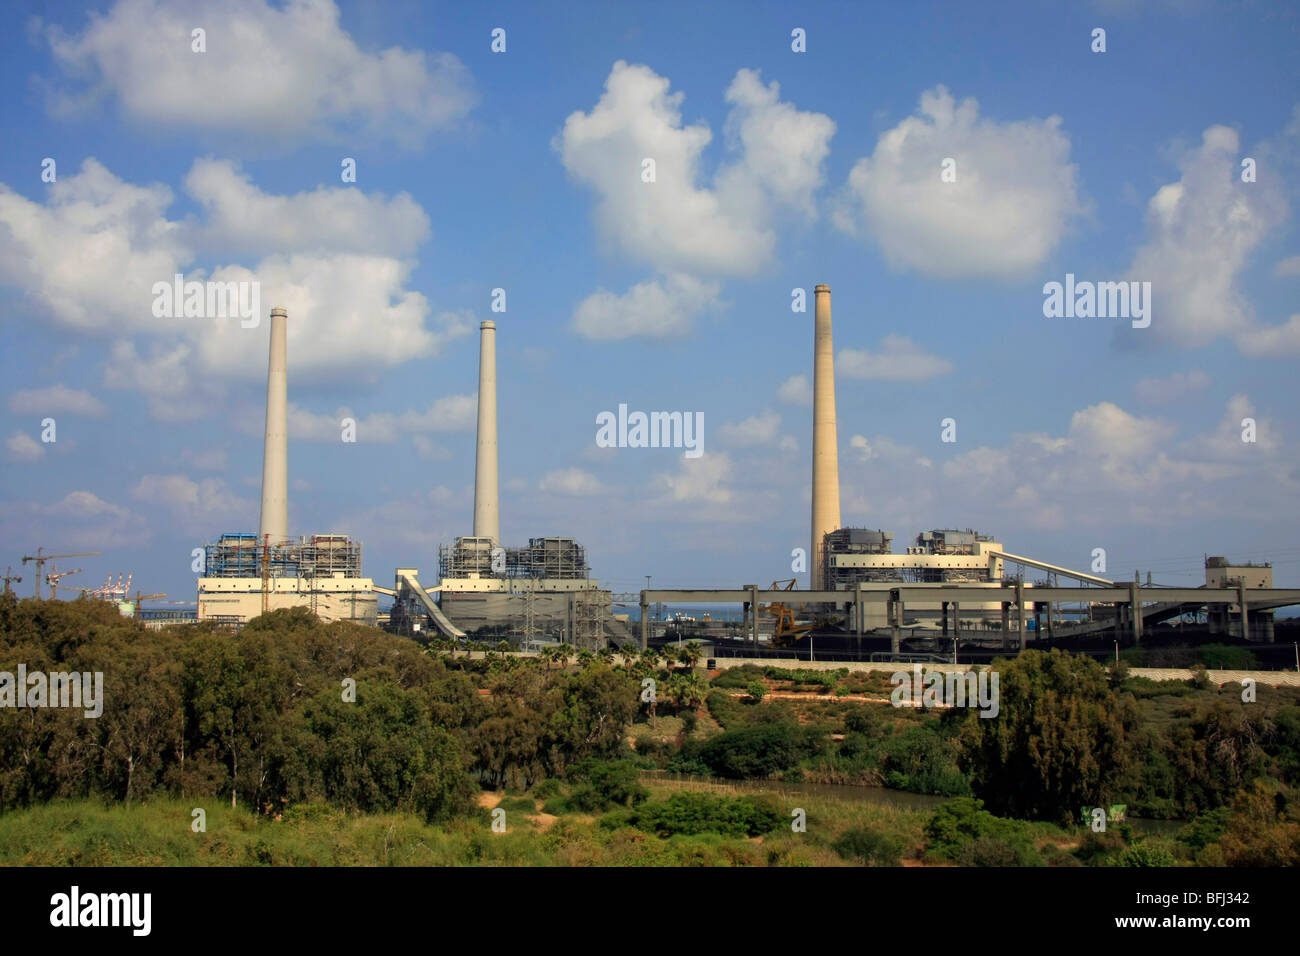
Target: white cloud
x=1271, y=341
x=91, y=254
x=700, y=480
x=23, y=447
x=206, y=459
x=198, y=506
x=758, y=429
x=677, y=224
x=56, y=400
x=79, y=520
x=1287, y=267
x=884, y=448
x=282, y=74
x=899, y=359
x=796, y=390
x=1172, y=388
x=1201, y=231
x=571, y=481
x=652, y=309
x=336, y=219
x=1014, y=195
x=448, y=414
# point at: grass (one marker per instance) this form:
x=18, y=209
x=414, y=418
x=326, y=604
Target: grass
x=88, y=833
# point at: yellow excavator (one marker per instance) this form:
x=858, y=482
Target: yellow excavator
x=784, y=630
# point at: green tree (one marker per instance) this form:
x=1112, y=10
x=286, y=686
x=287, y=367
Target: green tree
x=1061, y=734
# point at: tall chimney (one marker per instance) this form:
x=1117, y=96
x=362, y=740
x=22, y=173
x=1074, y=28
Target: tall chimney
x=826, y=467
x=275, y=457
x=487, y=518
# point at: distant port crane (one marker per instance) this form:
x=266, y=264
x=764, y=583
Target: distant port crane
x=41, y=558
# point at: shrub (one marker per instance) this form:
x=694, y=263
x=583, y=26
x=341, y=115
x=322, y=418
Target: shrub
x=759, y=751
x=872, y=847
x=757, y=690
x=964, y=831
x=1153, y=852
x=691, y=813
x=607, y=783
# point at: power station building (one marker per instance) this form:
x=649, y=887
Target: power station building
x=245, y=575
x=542, y=592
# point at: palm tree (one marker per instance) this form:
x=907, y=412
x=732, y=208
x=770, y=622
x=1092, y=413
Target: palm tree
x=689, y=654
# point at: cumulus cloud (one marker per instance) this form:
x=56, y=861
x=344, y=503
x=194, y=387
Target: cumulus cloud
x=700, y=480
x=678, y=224
x=796, y=390
x=282, y=73
x=1201, y=231
x=898, y=359
x=448, y=414
x=1271, y=341
x=80, y=519
x=761, y=429
x=90, y=255
x=657, y=309
x=197, y=506
x=238, y=215
x=56, y=400
x=1014, y=196
x=23, y=447
x=571, y=481
x=1172, y=388
x=1106, y=465
x=1287, y=267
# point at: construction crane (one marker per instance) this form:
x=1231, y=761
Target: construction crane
x=54, y=577
x=786, y=631
x=40, y=560
x=9, y=577
x=144, y=597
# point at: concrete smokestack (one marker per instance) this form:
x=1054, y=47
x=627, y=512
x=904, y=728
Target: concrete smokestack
x=826, y=459
x=275, y=457
x=487, y=516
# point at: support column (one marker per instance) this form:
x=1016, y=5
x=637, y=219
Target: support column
x=956, y=620
x=896, y=619
x=1135, y=609
x=943, y=616
x=1020, y=612
x=645, y=621
x=1006, y=625
x=1051, y=625
x=753, y=610
x=1245, y=616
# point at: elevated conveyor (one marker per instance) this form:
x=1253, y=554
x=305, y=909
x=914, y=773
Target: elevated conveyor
x=407, y=581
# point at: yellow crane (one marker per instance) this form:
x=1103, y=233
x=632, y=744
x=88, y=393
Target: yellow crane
x=785, y=631
x=144, y=597
x=40, y=560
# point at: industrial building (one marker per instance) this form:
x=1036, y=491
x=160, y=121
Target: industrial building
x=949, y=579
x=526, y=595
x=245, y=575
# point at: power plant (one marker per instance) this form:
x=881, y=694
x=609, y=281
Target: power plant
x=542, y=592
x=245, y=575
x=948, y=582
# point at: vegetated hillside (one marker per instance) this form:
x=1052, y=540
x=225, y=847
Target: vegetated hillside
x=266, y=730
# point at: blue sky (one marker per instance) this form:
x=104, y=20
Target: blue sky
x=522, y=170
